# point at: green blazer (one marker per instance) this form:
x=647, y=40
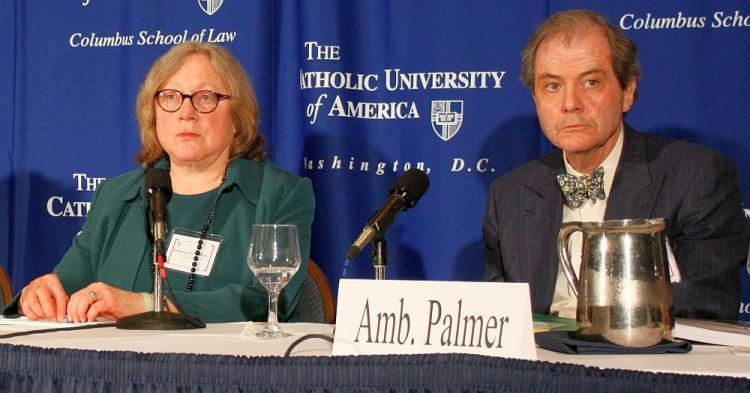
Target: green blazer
x=113, y=246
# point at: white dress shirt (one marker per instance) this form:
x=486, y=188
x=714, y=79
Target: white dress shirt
x=563, y=301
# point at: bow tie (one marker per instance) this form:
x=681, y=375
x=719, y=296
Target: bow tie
x=579, y=188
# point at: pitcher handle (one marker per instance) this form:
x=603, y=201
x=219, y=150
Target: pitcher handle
x=563, y=251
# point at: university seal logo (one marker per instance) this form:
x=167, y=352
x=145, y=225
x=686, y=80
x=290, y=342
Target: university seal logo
x=447, y=117
x=210, y=6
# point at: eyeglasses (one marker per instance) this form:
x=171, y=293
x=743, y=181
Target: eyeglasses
x=204, y=101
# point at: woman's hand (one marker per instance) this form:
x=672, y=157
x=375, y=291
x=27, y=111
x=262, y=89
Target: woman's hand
x=105, y=301
x=44, y=298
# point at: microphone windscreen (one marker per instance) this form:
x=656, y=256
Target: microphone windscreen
x=411, y=185
x=157, y=179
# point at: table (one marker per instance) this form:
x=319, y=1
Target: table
x=215, y=339
x=219, y=359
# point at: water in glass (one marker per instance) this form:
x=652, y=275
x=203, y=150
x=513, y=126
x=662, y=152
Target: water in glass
x=274, y=257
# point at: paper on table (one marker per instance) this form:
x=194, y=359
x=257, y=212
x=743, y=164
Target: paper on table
x=731, y=333
x=23, y=322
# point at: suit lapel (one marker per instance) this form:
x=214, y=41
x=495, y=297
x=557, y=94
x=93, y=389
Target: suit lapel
x=541, y=201
x=635, y=187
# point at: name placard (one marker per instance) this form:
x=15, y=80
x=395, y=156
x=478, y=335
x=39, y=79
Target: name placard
x=376, y=317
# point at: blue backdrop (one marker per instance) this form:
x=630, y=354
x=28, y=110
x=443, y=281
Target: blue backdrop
x=353, y=94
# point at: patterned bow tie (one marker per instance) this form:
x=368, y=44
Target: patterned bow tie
x=579, y=188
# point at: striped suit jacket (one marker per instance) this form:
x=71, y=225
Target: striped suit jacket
x=695, y=189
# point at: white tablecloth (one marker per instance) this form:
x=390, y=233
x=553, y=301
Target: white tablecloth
x=215, y=339
x=228, y=339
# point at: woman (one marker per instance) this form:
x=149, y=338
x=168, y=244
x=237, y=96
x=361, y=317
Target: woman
x=199, y=119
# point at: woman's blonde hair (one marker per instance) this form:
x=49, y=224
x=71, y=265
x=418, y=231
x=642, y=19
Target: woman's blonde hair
x=247, y=142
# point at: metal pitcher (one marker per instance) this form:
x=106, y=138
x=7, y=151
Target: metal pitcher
x=624, y=295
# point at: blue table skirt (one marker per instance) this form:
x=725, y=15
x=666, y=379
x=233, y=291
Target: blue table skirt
x=31, y=369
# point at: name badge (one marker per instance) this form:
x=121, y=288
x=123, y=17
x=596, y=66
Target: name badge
x=181, y=251
x=377, y=317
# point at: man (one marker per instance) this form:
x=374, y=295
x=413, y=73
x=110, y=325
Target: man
x=583, y=74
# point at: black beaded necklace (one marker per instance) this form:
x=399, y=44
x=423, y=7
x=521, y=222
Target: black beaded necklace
x=204, y=232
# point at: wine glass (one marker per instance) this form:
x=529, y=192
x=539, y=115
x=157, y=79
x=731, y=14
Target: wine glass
x=273, y=257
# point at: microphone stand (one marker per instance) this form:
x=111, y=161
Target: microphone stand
x=158, y=319
x=379, y=255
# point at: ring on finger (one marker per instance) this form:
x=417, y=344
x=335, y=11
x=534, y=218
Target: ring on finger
x=94, y=295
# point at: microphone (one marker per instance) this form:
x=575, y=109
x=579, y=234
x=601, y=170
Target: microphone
x=404, y=194
x=158, y=191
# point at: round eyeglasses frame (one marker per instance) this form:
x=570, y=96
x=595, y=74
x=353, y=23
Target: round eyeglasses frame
x=196, y=95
